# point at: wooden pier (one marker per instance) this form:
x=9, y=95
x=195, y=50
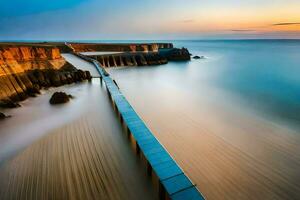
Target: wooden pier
x=172, y=182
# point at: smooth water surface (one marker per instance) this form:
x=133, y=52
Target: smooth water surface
x=231, y=120
x=72, y=151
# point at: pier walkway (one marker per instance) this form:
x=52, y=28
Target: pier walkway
x=172, y=181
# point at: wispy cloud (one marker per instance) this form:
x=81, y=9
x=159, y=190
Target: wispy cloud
x=242, y=30
x=257, y=29
x=187, y=21
x=286, y=24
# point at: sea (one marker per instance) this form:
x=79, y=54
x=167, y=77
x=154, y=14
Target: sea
x=231, y=119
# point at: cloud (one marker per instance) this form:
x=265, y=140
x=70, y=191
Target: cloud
x=242, y=30
x=286, y=24
x=187, y=21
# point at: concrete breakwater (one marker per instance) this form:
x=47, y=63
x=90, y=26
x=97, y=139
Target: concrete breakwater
x=130, y=59
x=162, y=56
x=150, y=47
x=24, y=69
x=132, y=54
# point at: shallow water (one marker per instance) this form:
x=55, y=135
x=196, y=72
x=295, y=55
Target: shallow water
x=73, y=151
x=81, y=64
x=230, y=120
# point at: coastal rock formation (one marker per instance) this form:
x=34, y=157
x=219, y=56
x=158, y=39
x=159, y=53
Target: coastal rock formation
x=162, y=56
x=176, y=54
x=7, y=103
x=59, y=98
x=88, y=75
x=24, y=70
x=198, y=57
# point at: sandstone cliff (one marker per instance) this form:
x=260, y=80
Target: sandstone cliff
x=25, y=69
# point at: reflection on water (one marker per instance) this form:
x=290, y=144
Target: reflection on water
x=231, y=120
x=72, y=151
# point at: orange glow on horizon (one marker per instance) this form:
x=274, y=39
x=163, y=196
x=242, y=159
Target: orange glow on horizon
x=247, y=20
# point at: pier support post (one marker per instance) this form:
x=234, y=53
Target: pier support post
x=149, y=169
x=128, y=133
x=121, y=119
x=161, y=191
x=138, y=149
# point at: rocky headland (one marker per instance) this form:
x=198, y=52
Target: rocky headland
x=25, y=69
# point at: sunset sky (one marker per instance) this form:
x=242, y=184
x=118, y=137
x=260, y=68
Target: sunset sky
x=149, y=19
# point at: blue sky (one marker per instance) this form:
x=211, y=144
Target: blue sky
x=148, y=19
x=13, y=8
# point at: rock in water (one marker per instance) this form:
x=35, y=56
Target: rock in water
x=198, y=57
x=88, y=75
x=2, y=116
x=176, y=54
x=7, y=103
x=59, y=98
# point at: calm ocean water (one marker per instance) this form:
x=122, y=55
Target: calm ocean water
x=231, y=120
x=262, y=74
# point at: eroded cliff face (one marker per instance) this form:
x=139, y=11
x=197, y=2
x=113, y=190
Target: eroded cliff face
x=20, y=59
x=25, y=69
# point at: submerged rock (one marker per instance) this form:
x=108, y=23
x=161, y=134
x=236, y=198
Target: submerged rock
x=2, y=116
x=60, y=98
x=198, y=57
x=88, y=75
x=176, y=54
